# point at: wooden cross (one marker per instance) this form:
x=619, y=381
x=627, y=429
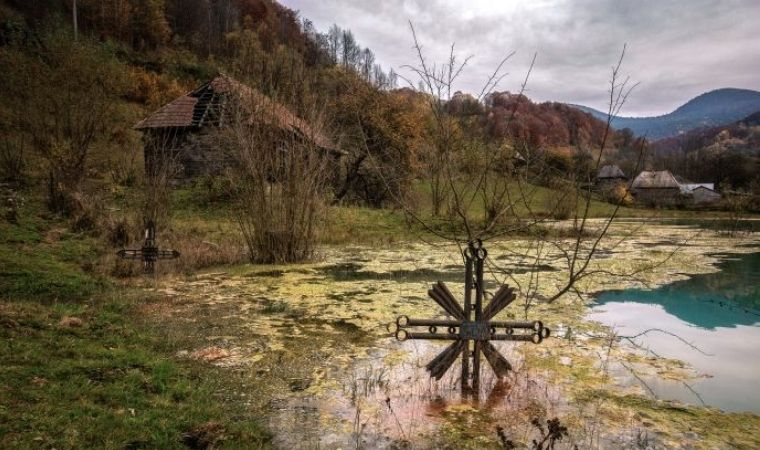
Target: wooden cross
x=464, y=331
x=149, y=253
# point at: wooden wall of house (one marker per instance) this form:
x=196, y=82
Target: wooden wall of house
x=190, y=153
x=659, y=196
x=199, y=153
x=704, y=196
x=202, y=154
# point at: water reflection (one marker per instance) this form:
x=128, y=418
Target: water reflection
x=718, y=313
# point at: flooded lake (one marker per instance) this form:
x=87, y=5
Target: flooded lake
x=310, y=346
x=717, y=318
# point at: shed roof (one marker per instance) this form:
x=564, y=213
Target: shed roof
x=610, y=171
x=704, y=188
x=688, y=187
x=659, y=179
x=206, y=106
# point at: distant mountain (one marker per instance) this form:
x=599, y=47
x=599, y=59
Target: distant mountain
x=714, y=108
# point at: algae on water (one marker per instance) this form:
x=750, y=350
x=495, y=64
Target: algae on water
x=313, y=338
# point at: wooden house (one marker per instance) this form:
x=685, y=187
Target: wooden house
x=184, y=128
x=700, y=194
x=609, y=177
x=657, y=188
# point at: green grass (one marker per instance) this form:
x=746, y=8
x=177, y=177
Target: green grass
x=194, y=214
x=112, y=382
x=108, y=384
x=40, y=259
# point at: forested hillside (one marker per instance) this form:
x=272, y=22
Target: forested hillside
x=143, y=53
x=728, y=155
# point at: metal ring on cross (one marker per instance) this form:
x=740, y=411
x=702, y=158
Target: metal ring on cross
x=433, y=329
x=538, y=325
x=475, y=250
x=402, y=335
x=545, y=332
x=510, y=331
x=392, y=328
x=452, y=330
x=536, y=338
x=402, y=321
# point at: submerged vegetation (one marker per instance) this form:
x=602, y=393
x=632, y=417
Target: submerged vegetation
x=205, y=355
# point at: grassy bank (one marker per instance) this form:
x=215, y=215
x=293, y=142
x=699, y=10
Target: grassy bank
x=80, y=368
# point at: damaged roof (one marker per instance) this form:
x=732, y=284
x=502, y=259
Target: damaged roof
x=207, y=106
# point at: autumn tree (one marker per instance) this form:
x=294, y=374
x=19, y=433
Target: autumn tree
x=62, y=96
x=381, y=134
x=149, y=25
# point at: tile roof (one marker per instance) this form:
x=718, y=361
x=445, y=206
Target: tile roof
x=177, y=113
x=206, y=106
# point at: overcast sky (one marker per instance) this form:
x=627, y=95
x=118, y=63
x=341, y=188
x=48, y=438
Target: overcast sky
x=676, y=49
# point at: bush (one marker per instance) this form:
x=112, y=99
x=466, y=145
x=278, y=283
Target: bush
x=283, y=180
x=62, y=99
x=618, y=194
x=117, y=231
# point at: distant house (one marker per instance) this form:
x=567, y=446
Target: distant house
x=609, y=176
x=700, y=194
x=184, y=125
x=657, y=188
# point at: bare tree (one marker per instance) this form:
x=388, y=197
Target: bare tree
x=367, y=61
x=334, y=43
x=350, y=50
x=162, y=167
x=13, y=158
x=468, y=174
x=282, y=176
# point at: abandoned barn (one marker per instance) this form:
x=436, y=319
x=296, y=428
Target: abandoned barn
x=184, y=129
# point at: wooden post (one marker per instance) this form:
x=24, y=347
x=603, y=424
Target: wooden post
x=478, y=318
x=467, y=314
x=76, y=25
x=149, y=253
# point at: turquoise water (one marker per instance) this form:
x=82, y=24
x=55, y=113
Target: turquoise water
x=718, y=313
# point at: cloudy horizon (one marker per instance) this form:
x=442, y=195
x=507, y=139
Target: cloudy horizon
x=675, y=50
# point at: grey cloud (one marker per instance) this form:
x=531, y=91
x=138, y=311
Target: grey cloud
x=676, y=49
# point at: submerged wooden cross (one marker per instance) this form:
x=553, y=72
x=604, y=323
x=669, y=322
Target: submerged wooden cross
x=464, y=331
x=149, y=253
